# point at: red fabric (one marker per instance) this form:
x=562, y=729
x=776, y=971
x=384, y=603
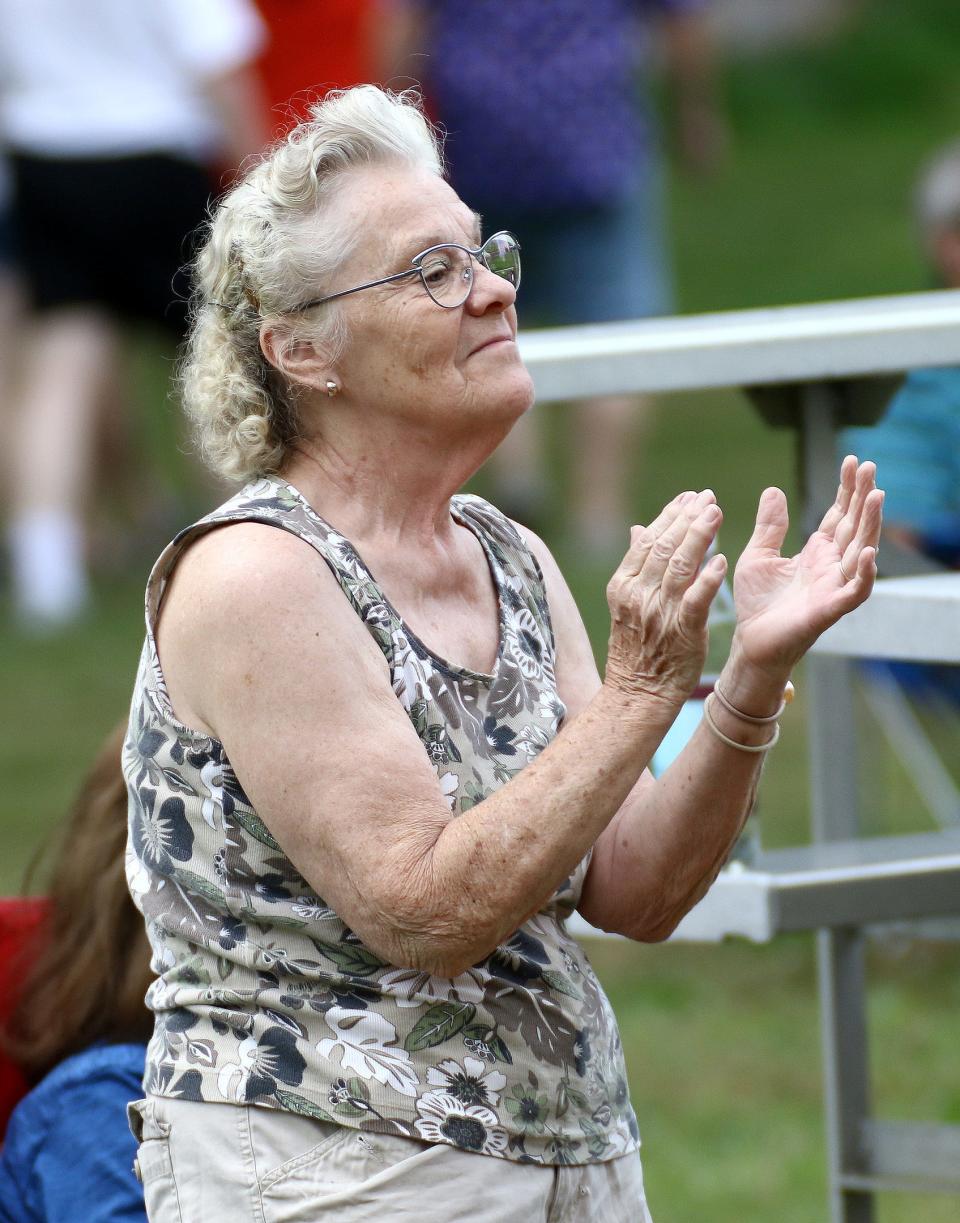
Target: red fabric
x=314, y=46
x=20, y=919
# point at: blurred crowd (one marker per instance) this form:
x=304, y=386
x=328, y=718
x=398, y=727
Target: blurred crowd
x=119, y=122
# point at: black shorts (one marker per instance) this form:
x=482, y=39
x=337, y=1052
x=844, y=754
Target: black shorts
x=110, y=231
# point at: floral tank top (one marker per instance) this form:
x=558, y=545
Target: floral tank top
x=263, y=995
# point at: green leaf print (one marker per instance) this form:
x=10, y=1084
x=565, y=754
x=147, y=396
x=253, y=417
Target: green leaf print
x=440, y=1023
x=299, y=1104
x=418, y=716
x=202, y=887
x=597, y=1141
x=351, y=958
x=561, y=984
x=358, y=1088
x=347, y=1108
x=255, y=826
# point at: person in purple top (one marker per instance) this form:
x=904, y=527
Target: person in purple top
x=549, y=122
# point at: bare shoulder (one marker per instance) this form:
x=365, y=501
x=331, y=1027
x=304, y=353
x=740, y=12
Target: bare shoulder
x=248, y=571
x=248, y=599
x=577, y=677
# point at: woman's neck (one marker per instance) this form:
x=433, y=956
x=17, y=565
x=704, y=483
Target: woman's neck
x=391, y=491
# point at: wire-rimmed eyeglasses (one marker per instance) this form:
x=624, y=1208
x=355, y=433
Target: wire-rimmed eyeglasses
x=447, y=270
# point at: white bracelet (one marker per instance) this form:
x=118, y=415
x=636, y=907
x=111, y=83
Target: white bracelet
x=749, y=717
x=741, y=747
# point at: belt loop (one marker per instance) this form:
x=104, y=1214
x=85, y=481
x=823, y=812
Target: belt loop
x=135, y=1118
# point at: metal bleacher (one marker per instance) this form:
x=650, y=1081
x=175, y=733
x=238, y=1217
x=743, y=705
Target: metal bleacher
x=816, y=369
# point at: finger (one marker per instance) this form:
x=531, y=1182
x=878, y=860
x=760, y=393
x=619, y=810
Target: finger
x=642, y=538
x=645, y=539
x=695, y=605
x=688, y=557
x=772, y=521
x=666, y=544
x=866, y=482
x=868, y=531
x=848, y=479
x=853, y=592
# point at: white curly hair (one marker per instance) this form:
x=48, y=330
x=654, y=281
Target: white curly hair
x=271, y=243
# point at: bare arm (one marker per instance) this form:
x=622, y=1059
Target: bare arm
x=238, y=101
x=702, y=134
x=400, y=36
x=668, y=839
x=260, y=648
x=664, y=847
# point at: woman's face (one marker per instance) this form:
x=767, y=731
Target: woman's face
x=406, y=356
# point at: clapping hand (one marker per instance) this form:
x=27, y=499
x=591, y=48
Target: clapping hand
x=659, y=599
x=784, y=603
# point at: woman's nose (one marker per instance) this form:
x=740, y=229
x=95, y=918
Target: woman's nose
x=489, y=291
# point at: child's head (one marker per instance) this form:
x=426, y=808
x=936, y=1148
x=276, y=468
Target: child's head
x=91, y=970
x=938, y=213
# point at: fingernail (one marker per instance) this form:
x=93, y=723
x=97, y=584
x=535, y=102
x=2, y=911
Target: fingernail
x=712, y=513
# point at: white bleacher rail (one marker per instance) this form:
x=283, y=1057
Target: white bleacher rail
x=806, y=365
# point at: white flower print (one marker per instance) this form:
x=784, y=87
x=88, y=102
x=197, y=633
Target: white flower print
x=532, y=740
x=449, y=784
x=525, y=645
x=552, y=709
x=366, y=1043
x=410, y=987
x=444, y=1118
x=471, y=1082
x=211, y=775
x=234, y=1076
x=344, y=555
x=138, y=877
x=411, y=674
x=306, y=909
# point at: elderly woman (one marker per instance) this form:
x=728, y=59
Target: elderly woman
x=372, y=766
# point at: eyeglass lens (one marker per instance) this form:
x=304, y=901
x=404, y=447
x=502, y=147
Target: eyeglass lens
x=447, y=271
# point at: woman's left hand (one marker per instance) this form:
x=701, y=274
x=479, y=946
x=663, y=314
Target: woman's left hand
x=784, y=603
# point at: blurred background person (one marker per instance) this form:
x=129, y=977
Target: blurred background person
x=79, y=1027
x=10, y=308
x=114, y=115
x=916, y=445
x=314, y=46
x=549, y=121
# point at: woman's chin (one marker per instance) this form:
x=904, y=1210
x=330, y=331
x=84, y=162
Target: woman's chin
x=518, y=392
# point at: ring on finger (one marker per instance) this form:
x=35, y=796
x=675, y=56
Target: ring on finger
x=847, y=577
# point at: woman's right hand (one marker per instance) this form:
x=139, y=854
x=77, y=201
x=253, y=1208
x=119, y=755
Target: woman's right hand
x=659, y=599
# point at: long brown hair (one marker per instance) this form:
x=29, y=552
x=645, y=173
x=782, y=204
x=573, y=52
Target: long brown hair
x=88, y=975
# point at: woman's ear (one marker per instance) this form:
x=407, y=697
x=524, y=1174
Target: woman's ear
x=297, y=358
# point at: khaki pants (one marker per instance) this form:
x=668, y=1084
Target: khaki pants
x=220, y=1163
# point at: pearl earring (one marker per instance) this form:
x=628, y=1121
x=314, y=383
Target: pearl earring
x=332, y=388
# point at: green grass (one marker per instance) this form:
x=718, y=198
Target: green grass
x=722, y=1042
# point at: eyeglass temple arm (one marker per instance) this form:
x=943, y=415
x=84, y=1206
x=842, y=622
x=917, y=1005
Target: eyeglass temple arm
x=318, y=301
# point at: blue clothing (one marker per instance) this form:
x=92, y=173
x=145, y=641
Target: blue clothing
x=68, y=1153
x=593, y=265
x=916, y=447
